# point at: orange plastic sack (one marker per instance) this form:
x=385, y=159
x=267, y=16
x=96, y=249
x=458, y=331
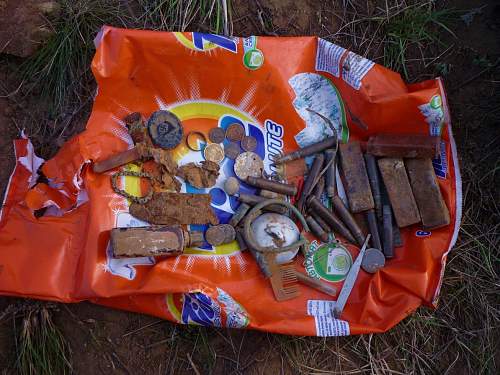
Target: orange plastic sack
x=266, y=84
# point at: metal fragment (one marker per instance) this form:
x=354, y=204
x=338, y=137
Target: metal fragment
x=165, y=129
x=278, y=187
x=248, y=143
x=240, y=213
x=248, y=164
x=216, y=135
x=232, y=150
x=235, y=132
x=213, y=152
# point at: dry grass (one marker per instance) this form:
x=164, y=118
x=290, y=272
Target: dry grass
x=461, y=336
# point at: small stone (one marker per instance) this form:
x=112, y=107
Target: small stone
x=231, y=185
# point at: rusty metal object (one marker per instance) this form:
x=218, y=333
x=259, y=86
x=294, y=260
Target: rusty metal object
x=399, y=190
x=176, y=209
x=232, y=150
x=140, y=200
x=189, y=139
x=332, y=220
x=319, y=188
x=270, y=194
x=248, y=143
x=307, y=151
x=240, y=213
x=388, y=244
x=316, y=229
x=425, y=187
x=330, y=177
x=321, y=222
x=316, y=284
x=371, y=218
x=216, y=135
x=357, y=184
x=310, y=180
x=135, y=127
x=253, y=200
x=148, y=241
x=235, y=132
x=231, y=185
x=200, y=177
x=248, y=164
x=396, y=235
x=240, y=240
x=344, y=214
x=373, y=177
x=165, y=129
x=213, y=152
x=373, y=260
x=403, y=145
x=278, y=187
x=195, y=239
x=220, y=234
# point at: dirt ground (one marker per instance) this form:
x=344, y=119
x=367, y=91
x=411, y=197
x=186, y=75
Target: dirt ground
x=105, y=340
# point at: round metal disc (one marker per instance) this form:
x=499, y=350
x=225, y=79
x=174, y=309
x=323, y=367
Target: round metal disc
x=248, y=164
x=229, y=233
x=373, y=260
x=232, y=150
x=215, y=235
x=165, y=129
x=231, y=185
x=216, y=135
x=248, y=143
x=191, y=140
x=213, y=152
x=235, y=132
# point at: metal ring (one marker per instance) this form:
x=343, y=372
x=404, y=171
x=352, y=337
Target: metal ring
x=195, y=133
x=140, y=200
x=256, y=211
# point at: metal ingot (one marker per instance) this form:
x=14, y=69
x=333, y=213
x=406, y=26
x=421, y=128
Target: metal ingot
x=165, y=129
x=275, y=230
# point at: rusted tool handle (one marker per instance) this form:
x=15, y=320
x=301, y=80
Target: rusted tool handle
x=116, y=160
x=316, y=284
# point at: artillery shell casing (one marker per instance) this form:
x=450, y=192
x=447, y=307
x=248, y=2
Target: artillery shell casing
x=388, y=235
x=307, y=151
x=241, y=240
x=270, y=194
x=321, y=222
x=330, y=180
x=372, y=224
x=373, y=177
x=317, y=229
x=311, y=177
x=319, y=188
x=330, y=218
x=239, y=214
x=252, y=200
x=278, y=187
x=342, y=211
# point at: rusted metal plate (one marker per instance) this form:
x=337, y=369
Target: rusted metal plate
x=399, y=190
x=248, y=164
x=425, y=187
x=176, y=209
x=165, y=129
x=358, y=186
x=147, y=241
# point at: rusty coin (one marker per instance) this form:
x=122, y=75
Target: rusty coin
x=248, y=143
x=232, y=150
x=248, y=164
x=215, y=235
x=213, y=152
x=373, y=260
x=235, y=132
x=231, y=185
x=229, y=233
x=216, y=135
x=165, y=129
